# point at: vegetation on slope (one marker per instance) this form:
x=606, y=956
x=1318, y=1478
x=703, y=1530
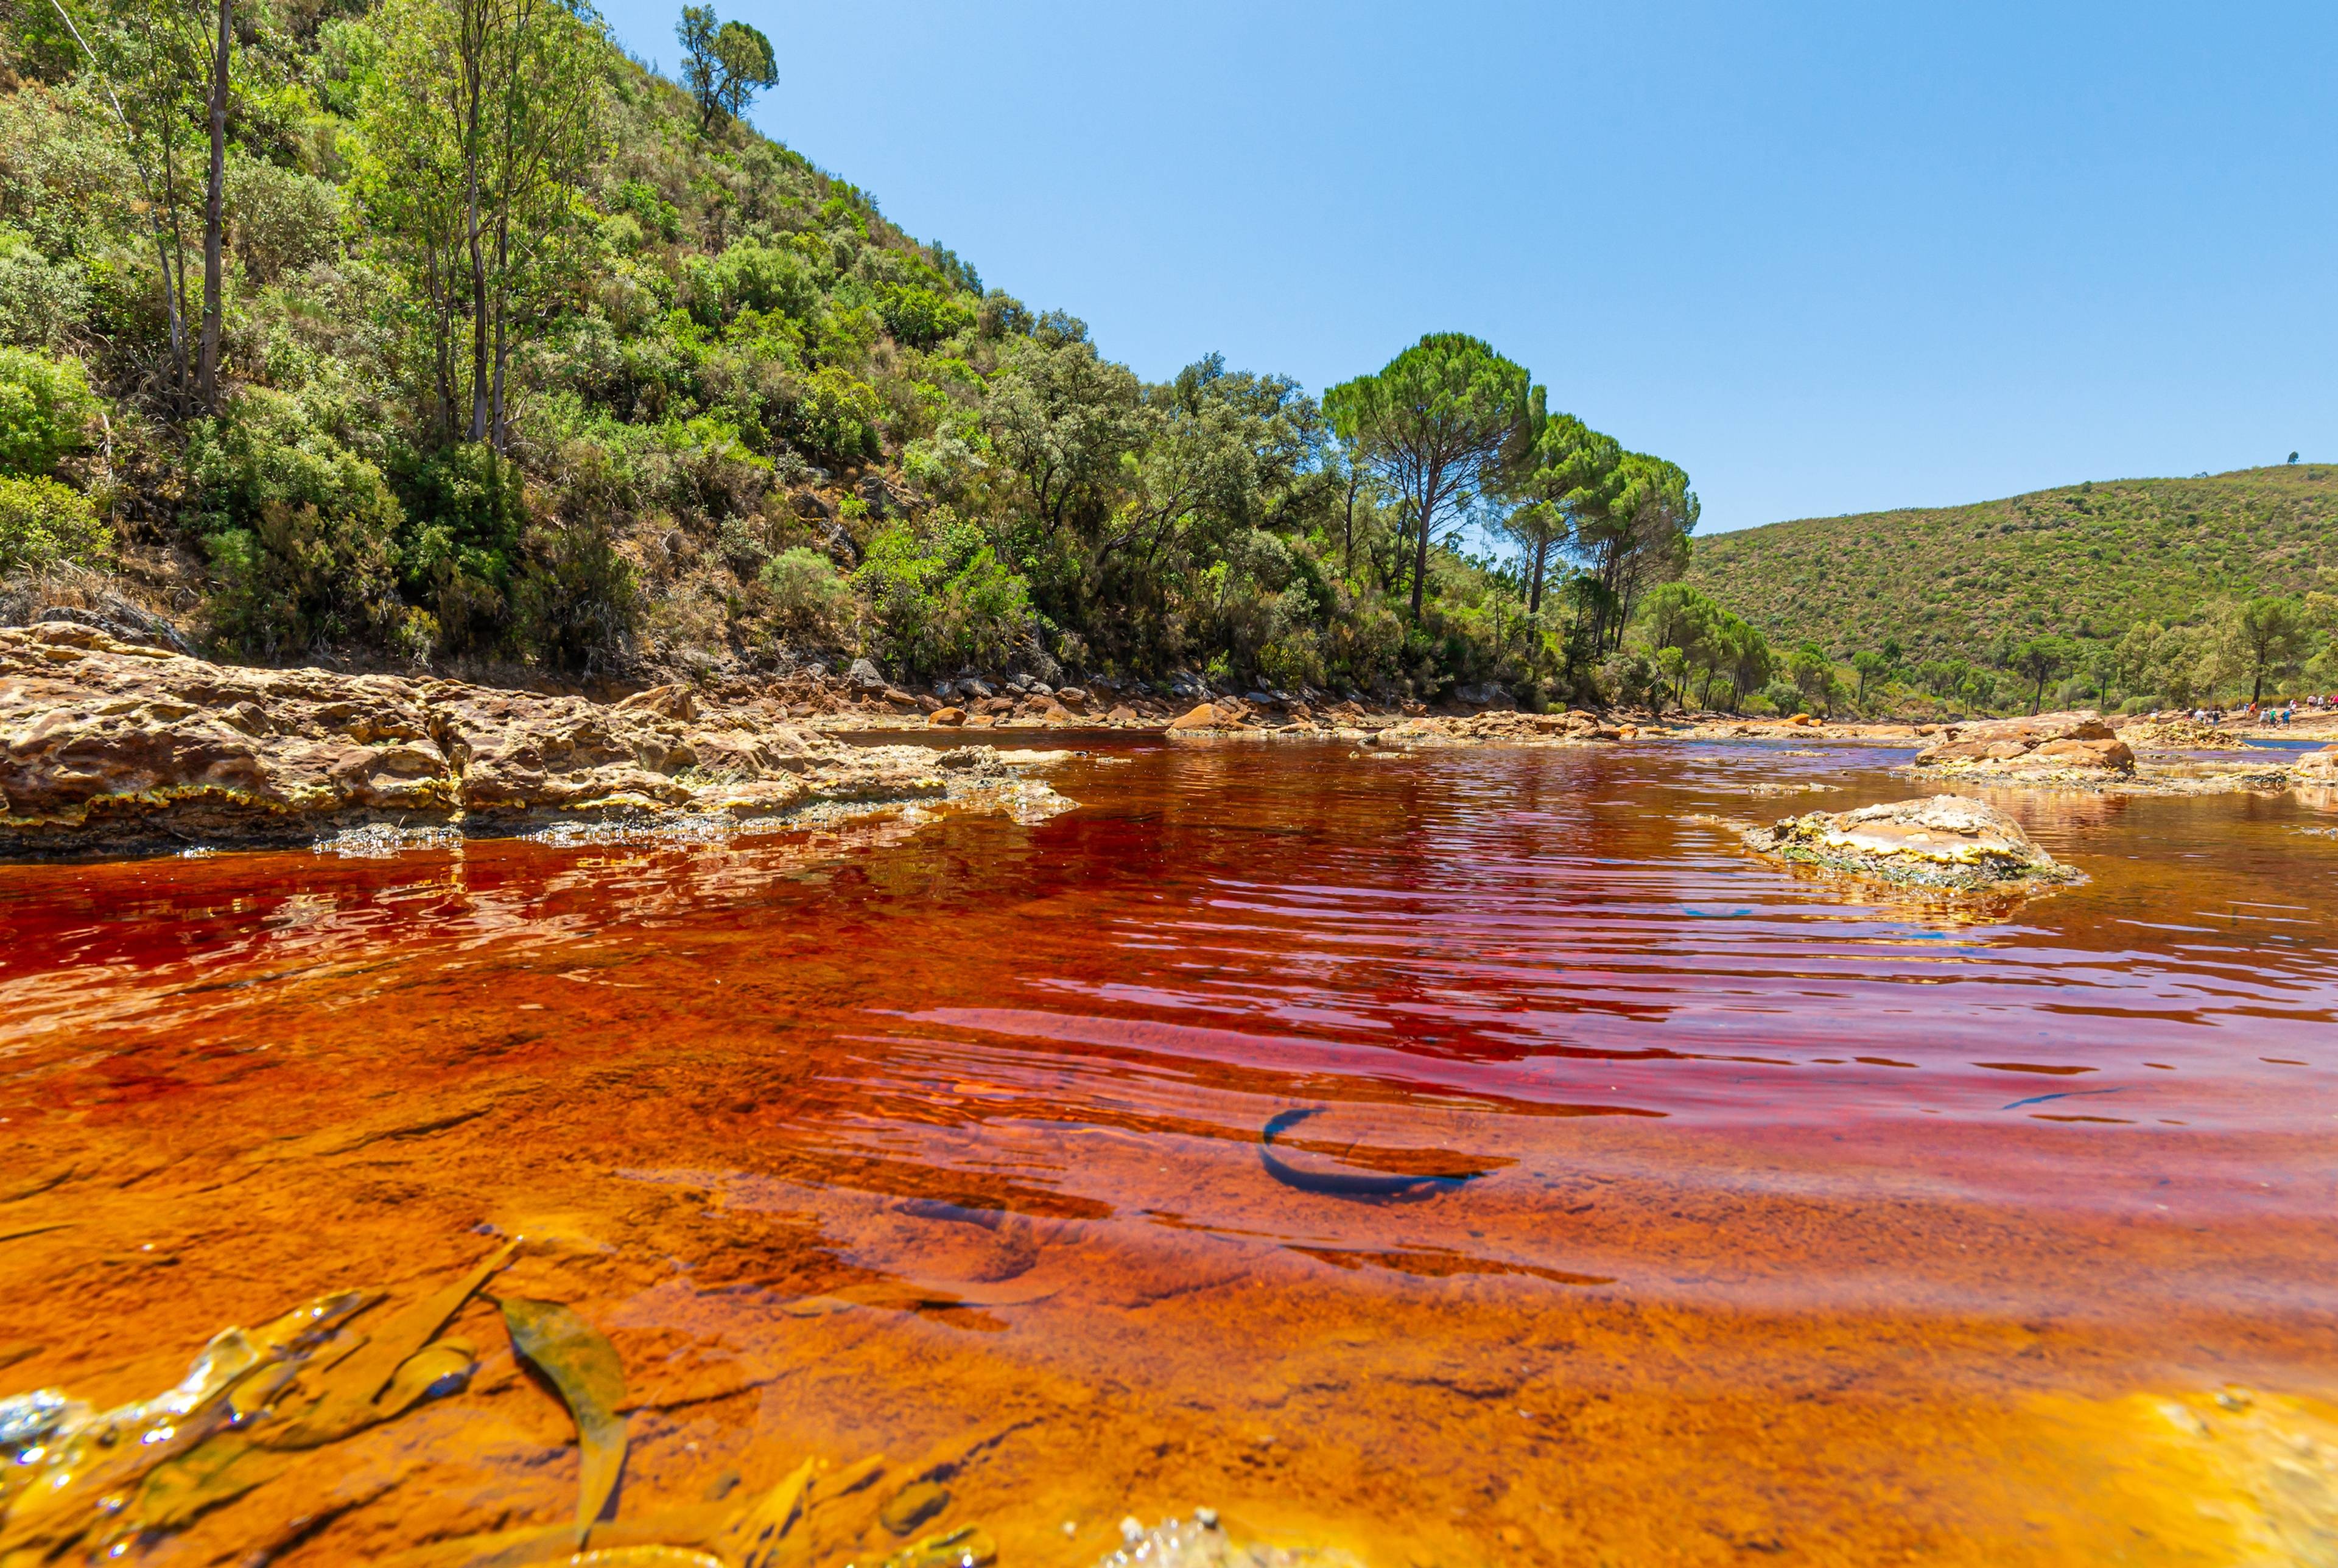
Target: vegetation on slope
x=440, y=331
x=2133, y=588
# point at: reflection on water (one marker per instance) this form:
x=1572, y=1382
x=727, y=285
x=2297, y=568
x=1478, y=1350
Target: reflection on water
x=1637, y=1199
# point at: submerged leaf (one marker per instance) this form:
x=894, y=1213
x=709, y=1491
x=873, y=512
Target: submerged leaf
x=754, y=1541
x=430, y=1373
x=348, y=1392
x=912, y=1506
x=584, y=1368
x=964, y=1547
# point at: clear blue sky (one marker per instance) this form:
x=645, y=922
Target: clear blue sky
x=1828, y=257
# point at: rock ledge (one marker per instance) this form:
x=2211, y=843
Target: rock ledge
x=108, y=746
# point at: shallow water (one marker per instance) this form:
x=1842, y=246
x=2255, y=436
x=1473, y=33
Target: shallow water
x=1803, y=1225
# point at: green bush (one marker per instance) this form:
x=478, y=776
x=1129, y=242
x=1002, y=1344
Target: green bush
x=922, y=318
x=44, y=524
x=574, y=601
x=942, y=599
x=46, y=408
x=808, y=598
x=462, y=540
x=834, y=416
x=39, y=300
x=750, y=277
x=301, y=532
x=299, y=579
x=283, y=219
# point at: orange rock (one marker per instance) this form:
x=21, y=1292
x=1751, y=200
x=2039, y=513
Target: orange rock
x=665, y=701
x=2077, y=753
x=1123, y=714
x=947, y=716
x=1204, y=717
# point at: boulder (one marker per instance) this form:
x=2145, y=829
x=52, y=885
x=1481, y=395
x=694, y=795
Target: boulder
x=2091, y=752
x=1122, y=713
x=2319, y=767
x=2035, y=729
x=865, y=676
x=947, y=717
x=1204, y=717
x=1942, y=841
x=2040, y=744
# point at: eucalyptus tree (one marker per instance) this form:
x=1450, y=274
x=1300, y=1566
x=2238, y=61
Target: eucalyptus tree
x=167, y=59
x=1436, y=424
x=214, y=213
x=1747, y=658
x=479, y=127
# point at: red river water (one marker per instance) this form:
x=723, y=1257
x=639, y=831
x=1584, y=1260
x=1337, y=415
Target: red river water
x=1757, y=1217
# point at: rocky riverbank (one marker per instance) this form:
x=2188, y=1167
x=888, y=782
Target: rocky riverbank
x=2081, y=750
x=113, y=746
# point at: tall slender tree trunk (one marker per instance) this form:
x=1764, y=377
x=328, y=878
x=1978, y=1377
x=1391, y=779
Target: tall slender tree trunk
x=1533, y=598
x=175, y=278
x=479, y=375
x=1430, y=497
x=214, y=214
x=502, y=306
x=1347, y=526
x=474, y=132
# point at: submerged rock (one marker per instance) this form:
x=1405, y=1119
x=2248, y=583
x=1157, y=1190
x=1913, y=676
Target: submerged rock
x=1203, y=1543
x=1945, y=841
x=109, y=746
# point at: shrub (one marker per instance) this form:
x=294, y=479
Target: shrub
x=301, y=532
x=834, y=416
x=44, y=524
x=46, y=408
x=922, y=318
x=808, y=597
x=39, y=301
x=750, y=277
x=463, y=540
x=574, y=601
x=284, y=220
x=942, y=599
x=300, y=578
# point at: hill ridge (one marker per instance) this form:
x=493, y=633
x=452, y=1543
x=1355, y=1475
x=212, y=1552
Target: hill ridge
x=2086, y=560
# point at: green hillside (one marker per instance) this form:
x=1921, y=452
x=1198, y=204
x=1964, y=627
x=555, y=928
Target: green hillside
x=2084, y=560
x=443, y=333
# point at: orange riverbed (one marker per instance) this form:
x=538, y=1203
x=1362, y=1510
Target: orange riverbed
x=1809, y=1228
